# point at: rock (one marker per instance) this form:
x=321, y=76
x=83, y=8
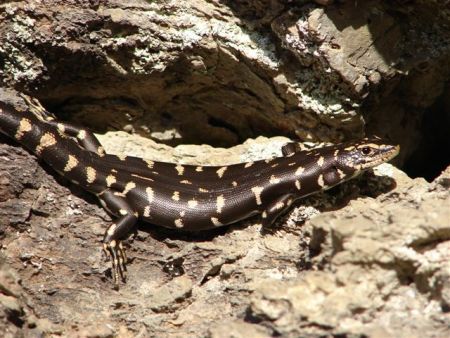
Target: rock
x=381, y=257
x=367, y=258
x=238, y=329
x=169, y=296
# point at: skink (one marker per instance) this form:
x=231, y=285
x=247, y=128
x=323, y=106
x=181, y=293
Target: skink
x=180, y=196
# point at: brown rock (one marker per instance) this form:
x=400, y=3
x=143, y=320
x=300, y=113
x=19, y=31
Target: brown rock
x=218, y=72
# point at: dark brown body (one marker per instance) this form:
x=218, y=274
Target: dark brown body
x=183, y=196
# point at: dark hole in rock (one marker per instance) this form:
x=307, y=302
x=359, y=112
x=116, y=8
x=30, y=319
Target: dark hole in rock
x=166, y=118
x=432, y=154
x=216, y=122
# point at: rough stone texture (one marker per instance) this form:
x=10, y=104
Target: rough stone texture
x=378, y=266
x=366, y=258
x=385, y=269
x=218, y=72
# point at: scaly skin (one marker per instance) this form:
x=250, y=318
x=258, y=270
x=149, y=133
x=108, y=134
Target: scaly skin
x=183, y=196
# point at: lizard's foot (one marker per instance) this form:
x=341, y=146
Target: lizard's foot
x=116, y=253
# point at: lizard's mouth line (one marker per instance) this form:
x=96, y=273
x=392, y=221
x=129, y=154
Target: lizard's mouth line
x=383, y=158
x=391, y=154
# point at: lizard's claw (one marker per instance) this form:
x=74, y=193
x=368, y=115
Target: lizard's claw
x=116, y=253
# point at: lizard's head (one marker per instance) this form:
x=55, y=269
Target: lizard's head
x=366, y=154
x=335, y=164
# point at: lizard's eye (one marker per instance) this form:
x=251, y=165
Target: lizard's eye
x=366, y=150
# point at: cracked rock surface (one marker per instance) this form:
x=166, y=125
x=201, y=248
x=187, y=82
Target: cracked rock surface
x=367, y=258
x=367, y=268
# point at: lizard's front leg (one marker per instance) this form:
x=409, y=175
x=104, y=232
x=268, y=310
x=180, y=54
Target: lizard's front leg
x=275, y=209
x=117, y=205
